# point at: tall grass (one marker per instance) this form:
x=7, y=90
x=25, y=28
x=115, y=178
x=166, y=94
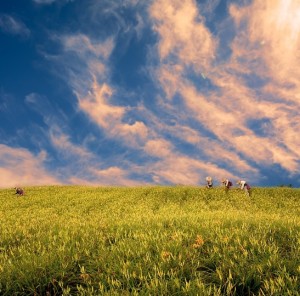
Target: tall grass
x=73, y=240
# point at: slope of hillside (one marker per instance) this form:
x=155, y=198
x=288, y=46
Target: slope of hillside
x=75, y=240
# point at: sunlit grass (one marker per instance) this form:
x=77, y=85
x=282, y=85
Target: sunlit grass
x=149, y=241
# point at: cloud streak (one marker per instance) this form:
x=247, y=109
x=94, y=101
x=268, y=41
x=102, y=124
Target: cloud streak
x=224, y=104
x=14, y=26
x=19, y=167
x=78, y=164
x=231, y=104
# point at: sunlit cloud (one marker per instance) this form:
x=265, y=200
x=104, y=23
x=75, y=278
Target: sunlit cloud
x=159, y=148
x=109, y=117
x=99, y=105
x=273, y=29
x=237, y=112
x=273, y=34
x=114, y=176
x=180, y=169
x=163, y=92
x=182, y=32
x=83, y=46
x=63, y=143
x=19, y=167
x=231, y=104
x=95, y=93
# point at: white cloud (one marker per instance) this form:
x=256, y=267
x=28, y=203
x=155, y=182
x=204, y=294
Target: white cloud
x=96, y=96
x=98, y=104
x=19, y=167
x=109, y=117
x=226, y=110
x=159, y=148
x=140, y=26
x=14, y=26
x=187, y=49
x=84, y=46
x=63, y=144
x=180, y=169
x=177, y=22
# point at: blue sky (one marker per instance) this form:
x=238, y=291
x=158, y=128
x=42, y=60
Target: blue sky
x=131, y=92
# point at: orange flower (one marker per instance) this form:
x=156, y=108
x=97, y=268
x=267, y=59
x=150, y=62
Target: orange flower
x=166, y=255
x=198, y=242
x=85, y=276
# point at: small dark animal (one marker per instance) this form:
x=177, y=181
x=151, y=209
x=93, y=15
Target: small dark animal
x=19, y=191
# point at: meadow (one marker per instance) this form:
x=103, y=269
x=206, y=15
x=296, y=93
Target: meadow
x=77, y=240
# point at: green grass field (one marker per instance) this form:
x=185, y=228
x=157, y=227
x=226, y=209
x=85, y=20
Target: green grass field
x=75, y=240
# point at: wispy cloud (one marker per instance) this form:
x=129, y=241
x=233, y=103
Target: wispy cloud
x=84, y=167
x=19, y=167
x=43, y=106
x=95, y=93
x=237, y=112
x=99, y=103
x=180, y=169
x=272, y=39
x=110, y=117
x=77, y=163
x=231, y=103
x=12, y=25
x=114, y=176
x=62, y=143
x=182, y=32
x=83, y=46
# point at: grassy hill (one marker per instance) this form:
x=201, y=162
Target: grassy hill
x=74, y=240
